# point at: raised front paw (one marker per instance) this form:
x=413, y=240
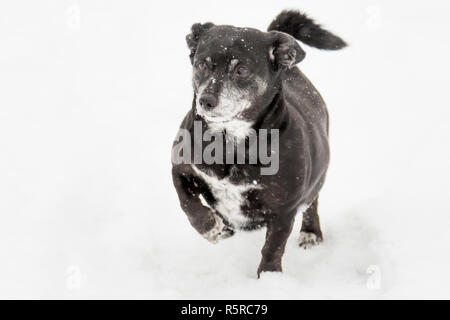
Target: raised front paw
x=218, y=232
x=308, y=239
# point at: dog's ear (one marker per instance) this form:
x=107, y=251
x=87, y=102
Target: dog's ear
x=285, y=52
x=193, y=38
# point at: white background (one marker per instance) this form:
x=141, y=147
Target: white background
x=92, y=93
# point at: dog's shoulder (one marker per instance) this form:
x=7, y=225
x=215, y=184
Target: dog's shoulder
x=304, y=99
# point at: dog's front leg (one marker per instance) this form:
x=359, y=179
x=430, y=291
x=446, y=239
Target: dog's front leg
x=278, y=230
x=190, y=191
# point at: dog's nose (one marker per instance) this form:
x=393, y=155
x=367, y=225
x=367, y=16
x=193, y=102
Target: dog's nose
x=208, y=101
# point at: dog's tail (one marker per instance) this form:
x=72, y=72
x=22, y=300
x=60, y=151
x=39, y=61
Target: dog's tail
x=303, y=28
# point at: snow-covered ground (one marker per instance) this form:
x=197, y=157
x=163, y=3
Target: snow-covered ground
x=91, y=95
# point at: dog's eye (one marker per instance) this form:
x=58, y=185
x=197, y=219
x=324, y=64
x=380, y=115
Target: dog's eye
x=202, y=66
x=242, y=71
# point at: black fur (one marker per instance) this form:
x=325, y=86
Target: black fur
x=193, y=38
x=303, y=28
x=277, y=96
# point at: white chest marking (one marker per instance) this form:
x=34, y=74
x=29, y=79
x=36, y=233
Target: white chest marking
x=235, y=128
x=229, y=197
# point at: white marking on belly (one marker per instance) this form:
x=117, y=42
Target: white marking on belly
x=228, y=196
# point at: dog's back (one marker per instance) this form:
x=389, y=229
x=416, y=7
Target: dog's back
x=303, y=99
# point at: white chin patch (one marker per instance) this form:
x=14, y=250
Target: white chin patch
x=231, y=103
x=226, y=116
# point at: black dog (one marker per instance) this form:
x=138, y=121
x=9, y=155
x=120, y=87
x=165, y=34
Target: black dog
x=246, y=80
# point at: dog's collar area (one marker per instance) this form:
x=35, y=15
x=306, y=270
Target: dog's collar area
x=235, y=128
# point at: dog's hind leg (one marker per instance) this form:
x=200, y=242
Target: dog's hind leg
x=310, y=233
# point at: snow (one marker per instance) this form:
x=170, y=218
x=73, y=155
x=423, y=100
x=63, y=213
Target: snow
x=92, y=93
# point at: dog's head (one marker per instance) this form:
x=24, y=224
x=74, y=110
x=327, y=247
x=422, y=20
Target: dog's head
x=236, y=70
